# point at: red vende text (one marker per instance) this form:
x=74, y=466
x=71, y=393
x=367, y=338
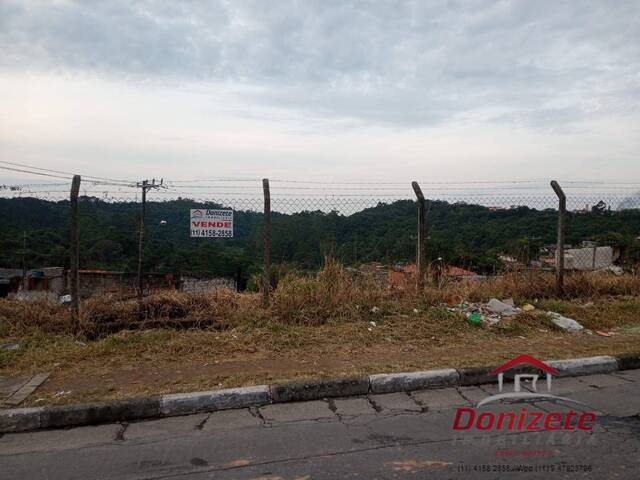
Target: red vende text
x=208, y=224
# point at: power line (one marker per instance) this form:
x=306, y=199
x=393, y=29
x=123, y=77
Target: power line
x=89, y=180
x=34, y=173
x=323, y=185
x=95, y=179
x=48, y=170
x=31, y=185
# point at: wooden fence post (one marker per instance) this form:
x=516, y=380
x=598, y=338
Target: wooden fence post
x=562, y=209
x=266, y=255
x=420, y=243
x=74, y=275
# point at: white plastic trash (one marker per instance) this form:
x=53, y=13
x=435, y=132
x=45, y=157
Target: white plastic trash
x=565, y=322
x=65, y=299
x=496, y=306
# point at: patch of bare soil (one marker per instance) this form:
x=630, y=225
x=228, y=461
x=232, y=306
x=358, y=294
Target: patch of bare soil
x=131, y=379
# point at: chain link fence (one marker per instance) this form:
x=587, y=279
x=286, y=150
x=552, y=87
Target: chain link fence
x=472, y=229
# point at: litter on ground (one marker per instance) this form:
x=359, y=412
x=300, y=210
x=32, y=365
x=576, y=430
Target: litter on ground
x=501, y=308
x=495, y=310
x=489, y=313
x=65, y=299
x=474, y=317
x=565, y=323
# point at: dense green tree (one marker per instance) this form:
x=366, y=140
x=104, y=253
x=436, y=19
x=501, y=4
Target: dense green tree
x=466, y=235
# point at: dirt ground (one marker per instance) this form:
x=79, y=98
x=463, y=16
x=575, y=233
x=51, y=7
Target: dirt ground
x=131, y=364
x=260, y=368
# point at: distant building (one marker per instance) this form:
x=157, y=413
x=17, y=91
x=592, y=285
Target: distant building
x=49, y=279
x=401, y=273
x=589, y=256
x=509, y=260
x=54, y=281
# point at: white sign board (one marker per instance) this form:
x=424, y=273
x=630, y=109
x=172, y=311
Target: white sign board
x=211, y=223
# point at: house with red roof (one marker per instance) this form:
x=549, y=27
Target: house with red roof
x=525, y=360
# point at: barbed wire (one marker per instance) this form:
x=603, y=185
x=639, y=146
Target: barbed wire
x=422, y=182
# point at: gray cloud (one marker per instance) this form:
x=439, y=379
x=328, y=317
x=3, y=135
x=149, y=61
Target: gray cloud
x=540, y=64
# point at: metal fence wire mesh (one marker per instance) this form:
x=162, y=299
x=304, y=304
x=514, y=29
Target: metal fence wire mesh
x=473, y=228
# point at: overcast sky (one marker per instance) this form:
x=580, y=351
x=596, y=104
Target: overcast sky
x=349, y=90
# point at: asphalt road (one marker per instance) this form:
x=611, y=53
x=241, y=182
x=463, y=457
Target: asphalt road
x=379, y=436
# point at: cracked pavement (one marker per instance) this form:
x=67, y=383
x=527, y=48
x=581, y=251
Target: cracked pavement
x=396, y=435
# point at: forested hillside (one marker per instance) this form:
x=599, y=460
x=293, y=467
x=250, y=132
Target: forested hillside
x=465, y=235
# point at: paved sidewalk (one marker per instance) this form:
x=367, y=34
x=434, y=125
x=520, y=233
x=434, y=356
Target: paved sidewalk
x=393, y=435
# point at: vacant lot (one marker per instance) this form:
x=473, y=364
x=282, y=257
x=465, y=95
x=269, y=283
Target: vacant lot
x=321, y=326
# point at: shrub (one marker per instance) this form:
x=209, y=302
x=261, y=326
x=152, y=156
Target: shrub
x=18, y=317
x=332, y=293
x=523, y=286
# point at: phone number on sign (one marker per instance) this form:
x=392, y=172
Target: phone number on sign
x=212, y=233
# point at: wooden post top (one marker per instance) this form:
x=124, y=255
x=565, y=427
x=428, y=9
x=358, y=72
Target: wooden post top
x=417, y=190
x=558, y=189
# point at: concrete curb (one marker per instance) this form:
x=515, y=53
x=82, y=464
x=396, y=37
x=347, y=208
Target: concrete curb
x=406, y=382
x=315, y=389
x=584, y=366
x=197, y=402
x=25, y=419
x=628, y=361
x=481, y=375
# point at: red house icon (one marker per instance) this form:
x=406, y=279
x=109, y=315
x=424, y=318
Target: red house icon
x=525, y=360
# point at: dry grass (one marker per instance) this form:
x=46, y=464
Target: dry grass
x=19, y=318
x=599, y=314
x=217, y=308
x=130, y=363
x=323, y=325
x=332, y=294
x=525, y=286
x=104, y=315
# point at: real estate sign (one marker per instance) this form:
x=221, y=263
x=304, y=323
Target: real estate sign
x=206, y=223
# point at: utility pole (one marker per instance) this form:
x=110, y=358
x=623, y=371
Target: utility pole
x=144, y=185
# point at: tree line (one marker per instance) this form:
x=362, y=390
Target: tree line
x=36, y=232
